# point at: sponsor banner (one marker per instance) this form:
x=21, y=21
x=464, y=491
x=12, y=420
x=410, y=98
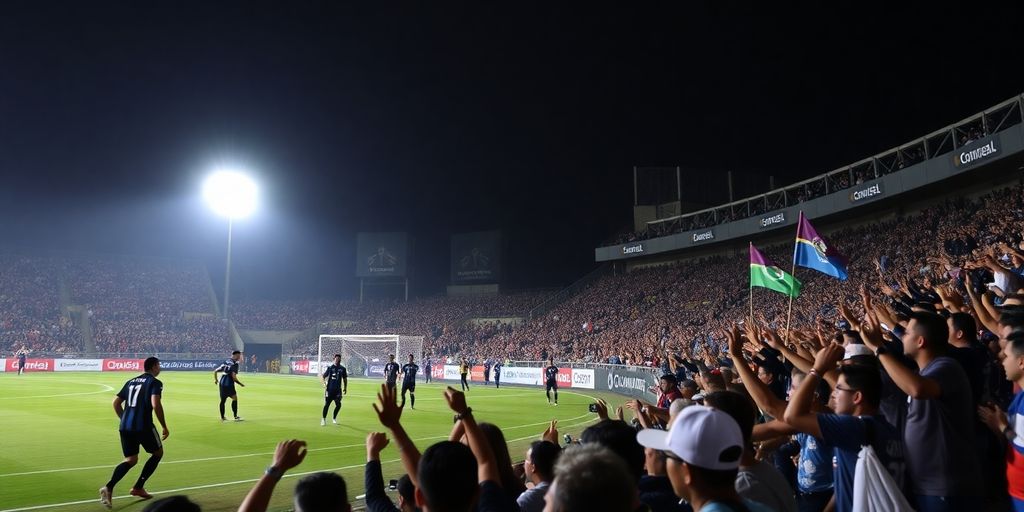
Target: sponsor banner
x=637, y=248
x=381, y=254
x=78, y=365
x=191, y=364
x=314, y=367
x=583, y=378
x=476, y=374
x=772, y=220
x=300, y=366
x=564, y=377
x=122, y=365
x=866, y=192
x=476, y=257
x=634, y=383
x=451, y=372
x=377, y=370
x=702, y=236
x=31, y=365
x=521, y=375
x=437, y=372
x=3, y=365
x=977, y=151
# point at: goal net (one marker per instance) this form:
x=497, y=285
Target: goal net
x=366, y=354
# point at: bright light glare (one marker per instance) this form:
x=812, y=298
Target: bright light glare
x=230, y=194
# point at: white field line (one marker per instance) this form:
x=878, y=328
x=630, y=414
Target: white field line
x=106, y=389
x=246, y=455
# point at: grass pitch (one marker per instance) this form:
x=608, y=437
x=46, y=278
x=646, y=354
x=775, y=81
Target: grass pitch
x=59, y=440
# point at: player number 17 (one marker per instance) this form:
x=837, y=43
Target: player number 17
x=133, y=394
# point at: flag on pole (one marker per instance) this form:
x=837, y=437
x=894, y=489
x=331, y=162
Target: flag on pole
x=766, y=274
x=812, y=251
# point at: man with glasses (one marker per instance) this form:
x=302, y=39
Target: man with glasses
x=857, y=421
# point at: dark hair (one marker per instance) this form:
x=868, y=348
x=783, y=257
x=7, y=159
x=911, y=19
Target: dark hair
x=407, y=490
x=965, y=323
x=324, y=491
x=591, y=477
x=1015, y=340
x=172, y=504
x=714, y=478
x=149, y=363
x=669, y=378
x=740, y=407
x=854, y=337
x=620, y=438
x=337, y=355
x=933, y=328
x=543, y=455
x=496, y=439
x=866, y=379
x=448, y=476
x=236, y=352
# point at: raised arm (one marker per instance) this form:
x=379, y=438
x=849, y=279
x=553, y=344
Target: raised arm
x=798, y=413
x=287, y=455
x=487, y=467
x=390, y=414
x=763, y=397
x=909, y=381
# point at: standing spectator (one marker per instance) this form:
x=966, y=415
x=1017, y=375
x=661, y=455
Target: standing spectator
x=376, y=499
x=704, y=447
x=1011, y=428
x=591, y=477
x=939, y=435
x=539, y=466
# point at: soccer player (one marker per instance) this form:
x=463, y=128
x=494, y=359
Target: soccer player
x=135, y=404
x=391, y=372
x=487, y=371
x=409, y=380
x=22, y=354
x=497, y=373
x=463, y=372
x=551, y=380
x=332, y=379
x=427, y=363
x=227, y=384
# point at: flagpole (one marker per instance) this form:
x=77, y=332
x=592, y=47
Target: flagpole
x=789, y=314
x=751, y=320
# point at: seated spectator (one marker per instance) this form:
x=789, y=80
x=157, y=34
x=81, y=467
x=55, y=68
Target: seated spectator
x=590, y=477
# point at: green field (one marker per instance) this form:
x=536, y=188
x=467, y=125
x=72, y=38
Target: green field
x=59, y=440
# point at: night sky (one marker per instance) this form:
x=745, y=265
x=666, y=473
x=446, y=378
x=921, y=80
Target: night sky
x=431, y=120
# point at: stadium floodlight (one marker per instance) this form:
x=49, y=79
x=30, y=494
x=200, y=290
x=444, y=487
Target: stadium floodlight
x=233, y=195
x=230, y=194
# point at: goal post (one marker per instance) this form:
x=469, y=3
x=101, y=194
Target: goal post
x=366, y=354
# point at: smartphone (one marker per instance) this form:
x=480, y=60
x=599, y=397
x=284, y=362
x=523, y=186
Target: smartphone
x=592, y=407
x=393, y=484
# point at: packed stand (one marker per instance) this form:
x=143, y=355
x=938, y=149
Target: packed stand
x=30, y=309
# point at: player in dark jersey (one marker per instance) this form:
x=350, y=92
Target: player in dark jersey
x=22, y=354
x=551, y=380
x=487, y=371
x=409, y=380
x=135, y=404
x=391, y=372
x=463, y=372
x=332, y=379
x=427, y=363
x=227, y=384
x=497, y=373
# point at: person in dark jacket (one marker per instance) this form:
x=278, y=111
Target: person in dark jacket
x=376, y=499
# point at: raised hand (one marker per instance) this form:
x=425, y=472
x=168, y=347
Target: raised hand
x=827, y=357
x=456, y=400
x=871, y=331
x=389, y=413
x=375, y=443
x=289, y=454
x=551, y=433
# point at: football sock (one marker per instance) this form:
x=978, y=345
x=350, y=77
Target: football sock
x=147, y=471
x=119, y=472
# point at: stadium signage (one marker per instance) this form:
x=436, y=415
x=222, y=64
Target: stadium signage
x=300, y=366
x=78, y=365
x=189, y=364
x=978, y=153
x=704, y=236
x=633, y=249
x=122, y=365
x=583, y=378
x=521, y=375
x=772, y=220
x=3, y=365
x=31, y=365
x=866, y=193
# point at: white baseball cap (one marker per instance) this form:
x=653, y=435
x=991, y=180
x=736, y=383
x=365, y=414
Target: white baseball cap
x=857, y=349
x=701, y=436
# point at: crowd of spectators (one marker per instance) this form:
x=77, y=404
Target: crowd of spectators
x=30, y=309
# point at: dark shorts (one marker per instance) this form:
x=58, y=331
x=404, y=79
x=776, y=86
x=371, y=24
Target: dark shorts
x=551, y=384
x=227, y=391
x=409, y=386
x=149, y=439
x=391, y=384
x=331, y=395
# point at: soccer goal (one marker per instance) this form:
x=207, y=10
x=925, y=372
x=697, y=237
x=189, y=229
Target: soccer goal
x=366, y=354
